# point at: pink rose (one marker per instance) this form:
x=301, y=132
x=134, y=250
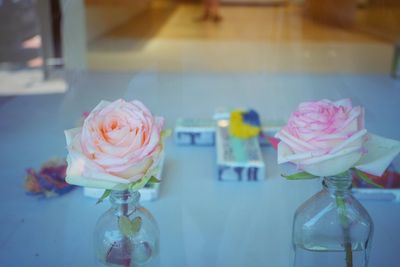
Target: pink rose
x=323, y=138
x=119, y=143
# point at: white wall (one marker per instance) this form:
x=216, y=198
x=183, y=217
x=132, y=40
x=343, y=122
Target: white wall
x=82, y=23
x=74, y=34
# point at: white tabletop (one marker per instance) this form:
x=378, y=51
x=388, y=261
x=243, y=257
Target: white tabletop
x=203, y=222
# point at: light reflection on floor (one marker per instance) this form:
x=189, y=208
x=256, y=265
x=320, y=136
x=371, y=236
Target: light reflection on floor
x=249, y=39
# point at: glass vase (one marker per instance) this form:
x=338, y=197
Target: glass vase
x=332, y=228
x=126, y=234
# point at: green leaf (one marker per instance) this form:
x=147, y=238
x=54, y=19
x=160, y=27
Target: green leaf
x=142, y=182
x=341, y=204
x=106, y=193
x=136, y=223
x=139, y=184
x=125, y=226
x=300, y=176
x=153, y=180
x=363, y=176
x=129, y=228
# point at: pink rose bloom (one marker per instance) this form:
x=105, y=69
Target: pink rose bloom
x=119, y=143
x=323, y=138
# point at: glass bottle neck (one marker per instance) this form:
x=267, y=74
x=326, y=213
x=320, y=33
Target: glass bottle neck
x=338, y=184
x=124, y=197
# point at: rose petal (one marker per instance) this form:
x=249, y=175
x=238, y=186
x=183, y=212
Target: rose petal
x=336, y=164
x=71, y=133
x=345, y=102
x=119, y=143
x=351, y=141
x=380, y=153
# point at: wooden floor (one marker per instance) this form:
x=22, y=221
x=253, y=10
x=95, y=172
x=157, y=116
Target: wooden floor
x=380, y=18
x=244, y=23
x=250, y=38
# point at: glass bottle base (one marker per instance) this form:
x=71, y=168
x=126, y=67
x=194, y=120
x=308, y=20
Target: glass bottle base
x=328, y=258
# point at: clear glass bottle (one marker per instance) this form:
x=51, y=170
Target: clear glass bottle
x=332, y=228
x=126, y=234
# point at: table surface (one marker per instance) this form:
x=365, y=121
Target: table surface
x=202, y=222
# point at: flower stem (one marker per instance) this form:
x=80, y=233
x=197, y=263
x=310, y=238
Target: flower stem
x=120, y=252
x=341, y=205
x=125, y=241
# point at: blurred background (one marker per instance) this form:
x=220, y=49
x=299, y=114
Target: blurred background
x=42, y=40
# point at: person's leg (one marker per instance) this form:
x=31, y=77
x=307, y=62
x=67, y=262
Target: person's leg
x=214, y=10
x=207, y=4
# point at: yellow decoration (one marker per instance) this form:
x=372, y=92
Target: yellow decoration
x=238, y=128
